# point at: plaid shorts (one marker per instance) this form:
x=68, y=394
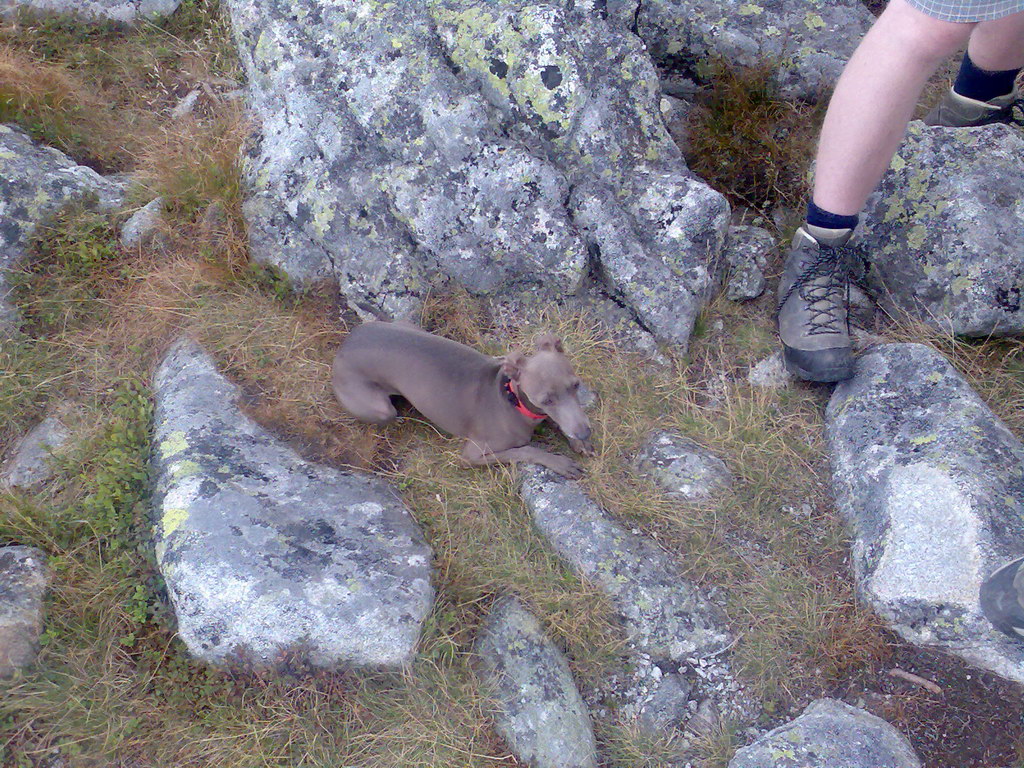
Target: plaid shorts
x=968, y=10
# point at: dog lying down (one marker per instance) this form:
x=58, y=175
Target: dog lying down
x=494, y=403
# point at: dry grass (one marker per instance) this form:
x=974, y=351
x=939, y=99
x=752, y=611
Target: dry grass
x=59, y=108
x=742, y=117
x=102, y=94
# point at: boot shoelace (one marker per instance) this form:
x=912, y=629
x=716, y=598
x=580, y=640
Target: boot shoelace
x=826, y=298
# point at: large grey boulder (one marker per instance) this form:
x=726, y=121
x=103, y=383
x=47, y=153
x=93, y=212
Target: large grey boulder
x=511, y=146
x=28, y=461
x=23, y=579
x=684, y=469
x=932, y=484
x=539, y=711
x=944, y=232
x=116, y=10
x=670, y=624
x=808, y=41
x=830, y=734
x=36, y=182
x=264, y=552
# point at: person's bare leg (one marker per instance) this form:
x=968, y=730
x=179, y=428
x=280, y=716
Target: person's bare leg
x=998, y=45
x=874, y=100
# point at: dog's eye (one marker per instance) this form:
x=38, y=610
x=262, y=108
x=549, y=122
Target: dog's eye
x=575, y=386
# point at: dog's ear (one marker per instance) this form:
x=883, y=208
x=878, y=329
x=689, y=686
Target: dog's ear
x=512, y=364
x=548, y=342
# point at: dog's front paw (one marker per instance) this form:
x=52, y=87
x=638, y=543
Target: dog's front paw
x=582, y=447
x=565, y=466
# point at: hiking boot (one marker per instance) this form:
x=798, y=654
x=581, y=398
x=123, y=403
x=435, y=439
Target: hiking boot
x=813, y=306
x=956, y=111
x=1002, y=594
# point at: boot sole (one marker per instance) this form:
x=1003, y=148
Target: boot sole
x=817, y=375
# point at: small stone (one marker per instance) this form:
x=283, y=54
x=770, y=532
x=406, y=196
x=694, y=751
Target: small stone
x=142, y=229
x=667, y=706
x=541, y=714
x=830, y=733
x=184, y=107
x=705, y=719
x=747, y=252
x=29, y=460
x=23, y=578
x=684, y=469
x=770, y=373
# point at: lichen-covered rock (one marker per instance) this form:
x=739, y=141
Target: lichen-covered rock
x=116, y=10
x=28, y=462
x=684, y=469
x=747, y=252
x=539, y=711
x=830, y=734
x=23, y=578
x=408, y=144
x=668, y=622
x=932, y=484
x=808, y=40
x=264, y=552
x=35, y=182
x=944, y=232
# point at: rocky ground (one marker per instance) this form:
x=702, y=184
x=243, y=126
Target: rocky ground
x=205, y=561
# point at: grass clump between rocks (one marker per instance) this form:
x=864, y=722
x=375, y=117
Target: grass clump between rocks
x=749, y=143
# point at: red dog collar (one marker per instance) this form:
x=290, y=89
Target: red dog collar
x=517, y=403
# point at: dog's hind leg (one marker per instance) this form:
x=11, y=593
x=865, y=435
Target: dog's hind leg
x=366, y=401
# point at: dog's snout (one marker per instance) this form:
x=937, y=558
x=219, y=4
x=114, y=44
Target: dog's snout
x=584, y=432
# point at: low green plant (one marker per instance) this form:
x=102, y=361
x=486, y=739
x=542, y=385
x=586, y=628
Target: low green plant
x=70, y=260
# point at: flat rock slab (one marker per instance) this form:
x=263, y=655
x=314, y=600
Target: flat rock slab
x=36, y=182
x=830, y=734
x=809, y=40
x=685, y=470
x=668, y=622
x=945, y=230
x=540, y=712
x=932, y=484
x=23, y=579
x=264, y=552
x=29, y=460
x=115, y=10
x=504, y=145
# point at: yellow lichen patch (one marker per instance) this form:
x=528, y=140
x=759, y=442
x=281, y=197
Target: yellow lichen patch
x=813, y=21
x=172, y=520
x=174, y=444
x=183, y=469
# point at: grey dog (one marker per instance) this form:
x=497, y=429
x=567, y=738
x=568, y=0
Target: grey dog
x=495, y=403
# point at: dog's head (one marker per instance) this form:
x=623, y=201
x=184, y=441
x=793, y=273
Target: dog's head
x=549, y=384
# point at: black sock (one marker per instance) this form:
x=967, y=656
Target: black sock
x=819, y=217
x=980, y=84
